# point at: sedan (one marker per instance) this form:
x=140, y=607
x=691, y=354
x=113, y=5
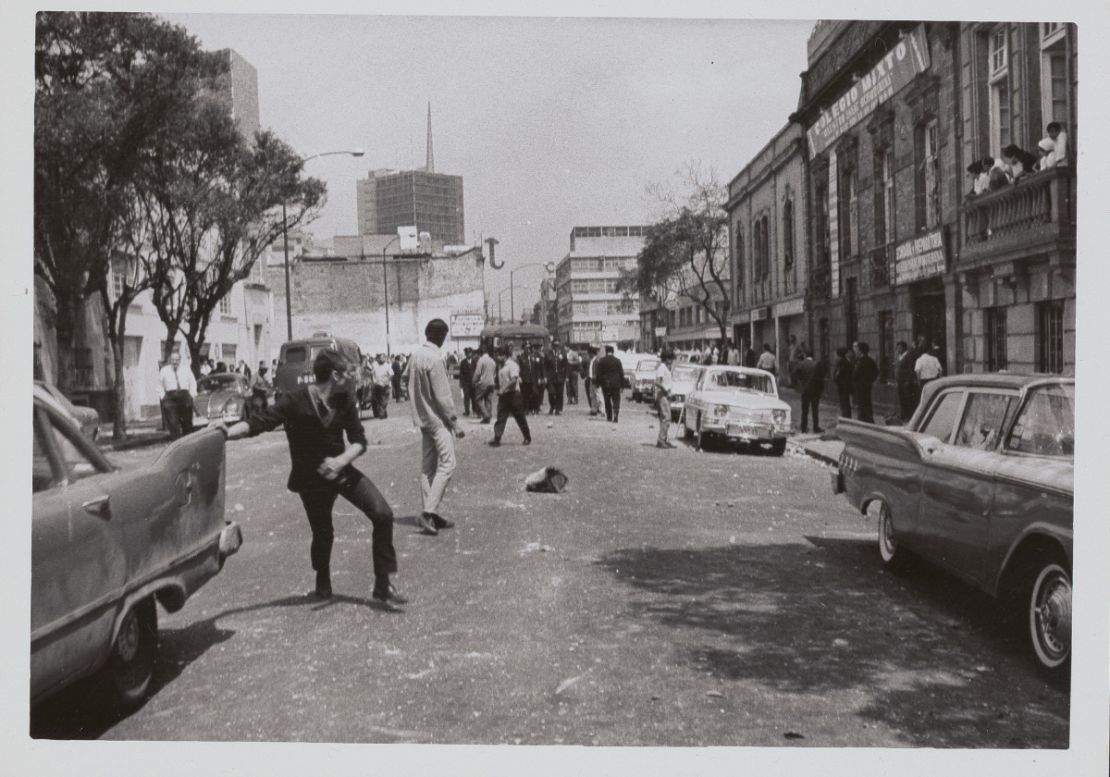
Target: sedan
x=738, y=403
x=224, y=396
x=980, y=483
x=643, y=379
x=108, y=545
x=683, y=379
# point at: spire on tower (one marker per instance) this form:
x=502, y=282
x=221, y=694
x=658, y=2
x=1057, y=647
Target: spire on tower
x=430, y=165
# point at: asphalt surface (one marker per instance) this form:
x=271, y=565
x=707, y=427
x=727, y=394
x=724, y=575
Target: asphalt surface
x=666, y=598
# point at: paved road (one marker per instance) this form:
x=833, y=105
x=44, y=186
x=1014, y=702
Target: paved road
x=667, y=598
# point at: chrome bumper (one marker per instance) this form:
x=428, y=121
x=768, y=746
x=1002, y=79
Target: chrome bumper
x=231, y=539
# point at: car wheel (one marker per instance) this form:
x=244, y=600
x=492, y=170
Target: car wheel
x=1049, y=617
x=131, y=664
x=778, y=447
x=889, y=551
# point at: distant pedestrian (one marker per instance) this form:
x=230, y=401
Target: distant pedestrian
x=205, y=368
x=767, y=360
x=574, y=366
x=592, y=389
x=842, y=378
x=395, y=380
x=177, y=388
x=316, y=417
x=433, y=410
x=509, y=400
x=809, y=377
x=260, y=387
x=610, y=376
x=466, y=380
x=556, y=367
x=733, y=355
x=529, y=376
x=381, y=378
x=905, y=379
x=927, y=367
x=663, y=398
x=485, y=378
x=864, y=374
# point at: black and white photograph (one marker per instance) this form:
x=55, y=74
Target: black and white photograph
x=607, y=389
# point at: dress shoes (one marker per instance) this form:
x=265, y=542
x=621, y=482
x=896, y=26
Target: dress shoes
x=388, y=596
x=323, y=585
x=427, y=524
x=441, y=522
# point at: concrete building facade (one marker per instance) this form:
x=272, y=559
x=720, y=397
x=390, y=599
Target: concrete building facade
x=433, y=202
x=589, y=308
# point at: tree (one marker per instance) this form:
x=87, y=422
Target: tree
x=685, y=252
x=106, y=86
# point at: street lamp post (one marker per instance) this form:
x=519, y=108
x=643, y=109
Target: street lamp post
x=500, y=296
x=356, y=152
x=548, y=266
x=385, y=285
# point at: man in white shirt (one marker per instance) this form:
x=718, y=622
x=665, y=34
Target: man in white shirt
x=1059, y=142
x=381, y=377
x=927, y=367
x=766, y=360
x=663, y=398
x=433, y=410
x=592, y=389
x=510, y=400
x=176, y=389
x=485, y=376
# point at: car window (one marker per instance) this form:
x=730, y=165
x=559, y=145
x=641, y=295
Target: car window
x=645, y=365
x=43, y=475
x=77, y=464
x=684, y=373
x=1046, y=424
x=740, y=380
x=943, y=416
x=295, y=354
x=981, y=427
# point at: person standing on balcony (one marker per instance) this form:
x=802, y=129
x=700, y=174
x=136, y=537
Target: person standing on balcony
x=998, y=173
x=1059, y=140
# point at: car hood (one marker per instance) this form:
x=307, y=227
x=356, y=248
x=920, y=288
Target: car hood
x=213, y=402
x=749, y=400
x=683, y=387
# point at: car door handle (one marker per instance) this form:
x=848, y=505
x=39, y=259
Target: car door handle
x=100, y=507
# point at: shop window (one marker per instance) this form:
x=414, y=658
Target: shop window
x=1050, y=336
x=994, y=332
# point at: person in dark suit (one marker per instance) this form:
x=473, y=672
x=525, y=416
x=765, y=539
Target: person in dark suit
x=842, y=377
x=905, y=378
x=864, y=374
x=809, y=376
x=610, y=376
x=466, y=380
x=528, y=379
x=556, y=368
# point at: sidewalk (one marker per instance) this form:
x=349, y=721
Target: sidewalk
x=826, y=447
x=140, y=434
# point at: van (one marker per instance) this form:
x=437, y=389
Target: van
x=294, y=367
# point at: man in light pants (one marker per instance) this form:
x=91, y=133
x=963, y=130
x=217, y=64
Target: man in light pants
x=663, y=398
x=433, y=410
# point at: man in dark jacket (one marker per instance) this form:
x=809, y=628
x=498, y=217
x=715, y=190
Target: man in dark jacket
x=466, y=380
x=864, y=374
x=610, y=376
x=555, y=370
x=842, y=377
x=315, y=417
x=809, y=376
x=528, y=379
x=905, y=378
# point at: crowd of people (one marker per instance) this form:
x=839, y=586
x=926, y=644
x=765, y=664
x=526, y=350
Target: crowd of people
x=990, y=174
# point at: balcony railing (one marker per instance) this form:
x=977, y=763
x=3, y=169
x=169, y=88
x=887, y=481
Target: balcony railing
x=878, y=265
x=1039, y=208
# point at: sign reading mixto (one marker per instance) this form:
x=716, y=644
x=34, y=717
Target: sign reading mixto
x=919, y=257
x=908, y=58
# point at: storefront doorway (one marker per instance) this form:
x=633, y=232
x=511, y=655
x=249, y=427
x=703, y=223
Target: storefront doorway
x=930, y=315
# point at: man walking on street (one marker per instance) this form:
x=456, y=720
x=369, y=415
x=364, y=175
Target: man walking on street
x=509, y=401
x=591, y=380
x=809, y=376
x=574, y=366
x=663, y=398
x=381, y=377
x=434, y=412
x=176, y=389
x=842, y=377
x=315, y=418
x=485, y=374
x=528, y=379
x=610, y=376
x=555, y=369
x=466, y=381
x=864, y=374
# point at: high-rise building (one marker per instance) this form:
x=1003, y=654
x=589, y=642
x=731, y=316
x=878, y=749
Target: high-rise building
x=433, y=202
x=239, y=93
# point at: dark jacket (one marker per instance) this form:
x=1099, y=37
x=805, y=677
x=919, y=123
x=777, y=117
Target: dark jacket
x=466, y=371
x=810, y=376
x=531, y=367
x=903, y=370
x=864, y=373
x=555, y=365
x=842, y=374
x=610, y=372
x=310, y=440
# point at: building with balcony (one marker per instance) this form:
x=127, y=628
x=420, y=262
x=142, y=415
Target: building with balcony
x=589, y=307
x=767, y=248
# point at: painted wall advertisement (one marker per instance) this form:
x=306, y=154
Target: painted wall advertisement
x=919, y=258
x=909, y=57
x=467, y=325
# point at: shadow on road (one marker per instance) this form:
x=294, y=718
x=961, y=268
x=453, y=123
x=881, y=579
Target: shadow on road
x=824, y=618
x=80, y=711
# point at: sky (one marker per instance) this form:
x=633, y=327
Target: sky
x=551, y=122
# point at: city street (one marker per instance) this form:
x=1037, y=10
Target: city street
x=666, y=598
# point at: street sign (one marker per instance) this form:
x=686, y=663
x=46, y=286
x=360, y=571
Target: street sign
x=466, y=325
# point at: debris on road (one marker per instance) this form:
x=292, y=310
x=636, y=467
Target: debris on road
x=549, y=480
x=535, y=547
x=793, y=735
x=567, y=683
x=715, y=694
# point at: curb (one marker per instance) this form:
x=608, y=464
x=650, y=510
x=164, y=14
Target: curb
x=817, y=455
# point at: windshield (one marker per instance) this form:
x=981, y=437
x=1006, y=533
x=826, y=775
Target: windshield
x=217, y=382
x=645, y=365
x=684, y=373
x=739, y=381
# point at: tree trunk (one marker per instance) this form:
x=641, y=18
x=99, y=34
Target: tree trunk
x=65, y=328
x=119, y=425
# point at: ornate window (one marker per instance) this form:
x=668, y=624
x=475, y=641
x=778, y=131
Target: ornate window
x=788, y=232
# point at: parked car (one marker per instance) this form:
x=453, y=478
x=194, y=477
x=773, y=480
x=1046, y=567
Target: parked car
x=108, y=543
x=643, y=379
x=629, y=360
x=86, y=418
x=295, y=361
x=683, y=379
x=740, y=403
x=980, y=483
x=225, y=396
